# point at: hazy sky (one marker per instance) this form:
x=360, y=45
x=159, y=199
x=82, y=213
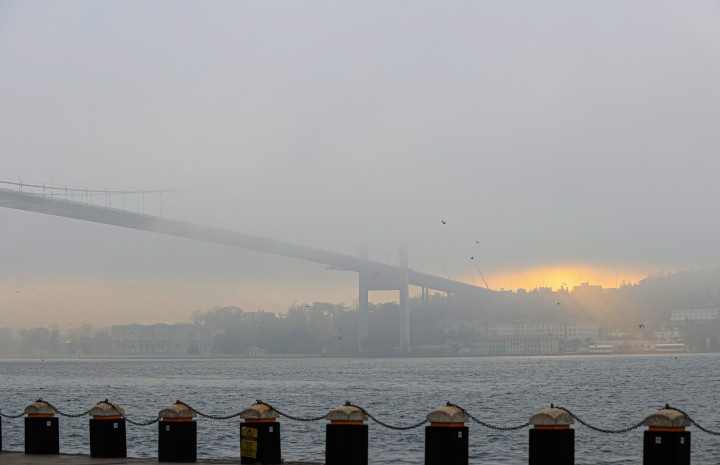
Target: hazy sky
x=574, y=141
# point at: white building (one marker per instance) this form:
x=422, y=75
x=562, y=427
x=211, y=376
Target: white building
x=563, y=331
x=694, y=314
x=527, y=344
x=161, y=339
x=667, y=335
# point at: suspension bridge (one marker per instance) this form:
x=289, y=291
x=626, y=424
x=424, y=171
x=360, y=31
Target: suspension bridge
x=103, y=206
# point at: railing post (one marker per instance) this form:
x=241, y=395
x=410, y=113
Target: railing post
x=107, y=431
x=346, y=436
x=666, y=442
x=552, y=441
x=446, y=439
x=42, y=431
x=260, y=435
x=177, y=434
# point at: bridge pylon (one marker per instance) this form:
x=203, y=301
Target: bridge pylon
x=404, y=300
x=363, y=309
x=399, y=280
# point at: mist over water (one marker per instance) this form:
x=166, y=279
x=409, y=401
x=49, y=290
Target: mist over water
x=610, y=392
x=570, y=139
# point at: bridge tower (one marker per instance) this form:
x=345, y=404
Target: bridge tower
x=363, y=302
x=398, y=280
x=404, y=300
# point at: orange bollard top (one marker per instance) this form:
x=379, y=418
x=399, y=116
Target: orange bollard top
x=346, y=415
x=259, y=413
x=551, y=418
x=447, y=416
x=177, y=412
x=667, y=419
x=40, y=409
x=106, y=411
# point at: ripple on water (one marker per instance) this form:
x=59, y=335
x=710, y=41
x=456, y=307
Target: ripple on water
x=607, y=391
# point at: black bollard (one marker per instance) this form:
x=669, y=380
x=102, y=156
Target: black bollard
x=42, y=429
x=177, y=434
x=666, y=442
x=446, y=439
x=346, y=437
x=260, y=436
x=552, y=441
x=107, y=431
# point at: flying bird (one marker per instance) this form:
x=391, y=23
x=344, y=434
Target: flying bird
x=443, y=221
x=472, y=258
x=477, y=242
x=641, y=326
x=340, y=337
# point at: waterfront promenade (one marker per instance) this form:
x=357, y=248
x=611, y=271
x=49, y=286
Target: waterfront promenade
x=20, y=458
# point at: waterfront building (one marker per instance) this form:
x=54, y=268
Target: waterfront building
x=637, y=346
x=519, y=344
x=682, y=315
x=668, y=335
x=564, y=331
x=161, y=339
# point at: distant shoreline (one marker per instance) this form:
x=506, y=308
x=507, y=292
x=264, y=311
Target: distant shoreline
x=319, y=356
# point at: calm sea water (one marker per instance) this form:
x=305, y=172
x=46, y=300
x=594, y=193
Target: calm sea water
x=607, y=391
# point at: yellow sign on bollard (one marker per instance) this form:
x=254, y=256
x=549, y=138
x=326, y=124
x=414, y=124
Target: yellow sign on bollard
x=248, y=442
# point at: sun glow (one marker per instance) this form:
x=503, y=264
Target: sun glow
x=562, y=276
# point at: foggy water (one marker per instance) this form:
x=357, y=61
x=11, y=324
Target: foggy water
x=611, y=392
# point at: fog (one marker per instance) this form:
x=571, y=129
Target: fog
x=576, y=136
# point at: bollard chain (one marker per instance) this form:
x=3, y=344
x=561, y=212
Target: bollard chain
x=383, y=424
x=68, y=415
x=371, y=417
x=290, y=416
x=136, y=423
x=488, y=425
x=704, y=430
x=205, y=415
x=595, y=428
x=10, y=416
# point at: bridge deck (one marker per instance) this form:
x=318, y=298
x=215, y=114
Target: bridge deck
x=383, y=276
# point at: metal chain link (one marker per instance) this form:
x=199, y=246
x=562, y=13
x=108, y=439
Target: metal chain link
x=136, y=423
x=205, y=415
x=595, y=428
x=69, y=415
x=10, y=416
x=704, y=430
x=385, y=425
x=282, y=414
x=488, y=425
